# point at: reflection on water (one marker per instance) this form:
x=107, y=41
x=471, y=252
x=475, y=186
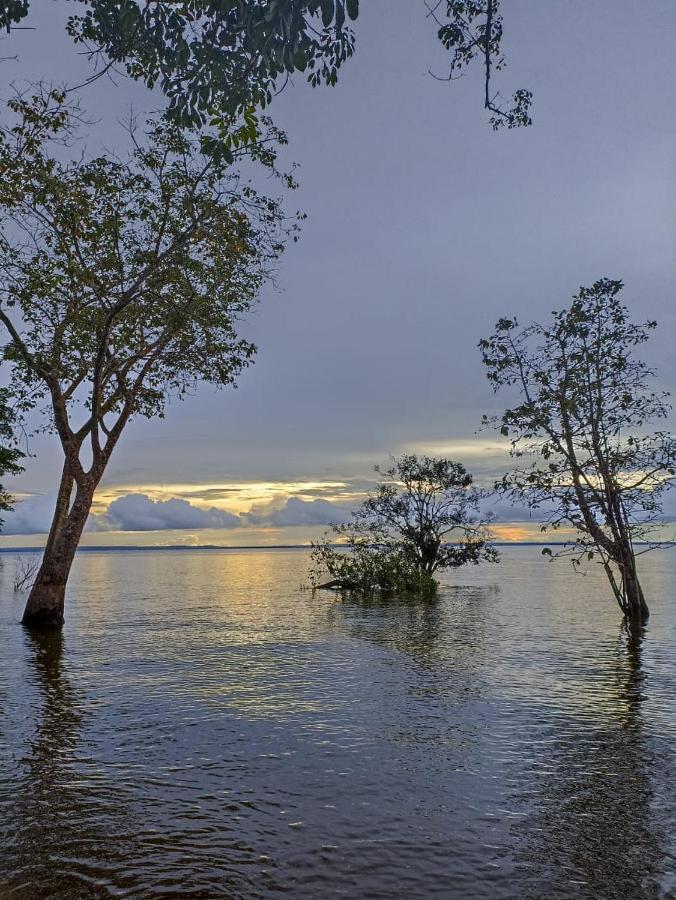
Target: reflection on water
x=56, y=816
x=205, y=729
x=596, y=825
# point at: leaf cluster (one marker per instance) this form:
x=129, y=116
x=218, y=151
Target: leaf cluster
x=215, y=59
x=218, y=57
x=10, y=455
x=472, y=30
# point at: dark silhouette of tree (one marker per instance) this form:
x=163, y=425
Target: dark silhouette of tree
x=422, y=519
x=578, y=431
x=123, y=283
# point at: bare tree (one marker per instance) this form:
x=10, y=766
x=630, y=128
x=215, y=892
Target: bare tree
x=25, y=570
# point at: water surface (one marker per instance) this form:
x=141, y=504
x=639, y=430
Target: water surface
x=205, y=728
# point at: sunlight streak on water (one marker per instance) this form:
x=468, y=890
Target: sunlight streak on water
x=203, y=728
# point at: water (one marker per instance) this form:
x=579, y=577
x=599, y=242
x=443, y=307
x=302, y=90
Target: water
x=204, y=728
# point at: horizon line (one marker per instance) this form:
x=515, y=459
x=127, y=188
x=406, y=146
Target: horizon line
x=111, y=548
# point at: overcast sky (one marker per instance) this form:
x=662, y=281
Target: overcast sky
x=423, y=227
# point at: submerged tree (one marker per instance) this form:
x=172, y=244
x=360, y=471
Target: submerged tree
x=422, y=519
x=216, y=58
x=579, y=430
x=122, y=284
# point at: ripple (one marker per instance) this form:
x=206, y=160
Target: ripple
x=205, y=729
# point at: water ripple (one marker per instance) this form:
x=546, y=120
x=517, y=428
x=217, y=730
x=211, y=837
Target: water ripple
x=205, y=729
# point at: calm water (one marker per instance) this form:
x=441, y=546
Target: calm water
x=204, y=728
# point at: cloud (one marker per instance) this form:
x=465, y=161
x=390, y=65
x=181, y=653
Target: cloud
x=30, y=516
x=34, y=516
x=300, y=512
x=137, y=512
x=501, y=510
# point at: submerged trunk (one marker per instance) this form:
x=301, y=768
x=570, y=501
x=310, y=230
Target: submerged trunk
x=635, y=606
x=45, y=605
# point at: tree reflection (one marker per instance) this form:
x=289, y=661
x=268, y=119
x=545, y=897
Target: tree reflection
x=403, y=623
x=55, y=820
x=594, y=832
x=446, y=631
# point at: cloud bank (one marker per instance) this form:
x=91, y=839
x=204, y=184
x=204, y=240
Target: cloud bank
x=138, y=512
x=30, y=516
x=299, y=512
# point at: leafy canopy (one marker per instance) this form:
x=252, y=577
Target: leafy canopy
x=122, y=282
x=213, y=59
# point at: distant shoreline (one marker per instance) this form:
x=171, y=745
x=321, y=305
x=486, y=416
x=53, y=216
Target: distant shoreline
x=147, y=548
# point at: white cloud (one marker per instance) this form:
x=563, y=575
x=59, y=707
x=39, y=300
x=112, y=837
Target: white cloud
x=30, y=516
x=137, y=512
x=34, y=516
x=300, y=512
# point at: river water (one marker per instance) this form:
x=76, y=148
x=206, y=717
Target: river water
x=207, y=728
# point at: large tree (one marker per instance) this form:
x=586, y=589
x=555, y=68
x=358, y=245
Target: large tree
x=579, y=431
x=423, y=518
x=215, y=58
x=121, y=284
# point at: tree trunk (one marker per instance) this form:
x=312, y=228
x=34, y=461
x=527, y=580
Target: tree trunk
x=44, y=609
x=636, y=609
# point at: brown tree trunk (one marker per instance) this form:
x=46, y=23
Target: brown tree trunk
x=636, y=608
x=44, y=609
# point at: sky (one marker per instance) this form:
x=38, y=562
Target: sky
x=423, y=227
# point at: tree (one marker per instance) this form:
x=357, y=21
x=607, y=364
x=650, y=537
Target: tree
x=422, y=519
x=122, y=285
x=10, y=454
x=579, y=430
x=216, y=59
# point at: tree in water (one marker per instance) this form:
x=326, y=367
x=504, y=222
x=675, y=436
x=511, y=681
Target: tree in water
x=123, y=285
x=421, y=520
x=578, y=431
x=214, y=60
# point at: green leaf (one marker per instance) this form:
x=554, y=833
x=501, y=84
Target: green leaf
x=327, y=12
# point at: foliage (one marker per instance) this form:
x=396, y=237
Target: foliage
x=123, y=281
x=578, y=429
x=10, y=454
x=422, y=519
x=214, y=59
x=471, y=30
x=365, y=564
